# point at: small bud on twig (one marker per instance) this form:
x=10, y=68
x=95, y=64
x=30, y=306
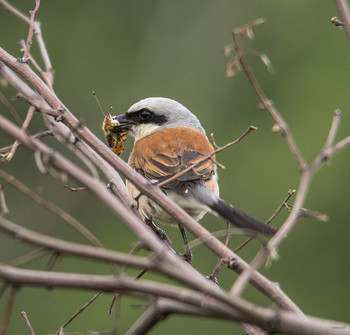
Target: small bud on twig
x=337, y=22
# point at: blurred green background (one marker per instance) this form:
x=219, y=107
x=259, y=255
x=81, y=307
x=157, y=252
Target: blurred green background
x=129, y=50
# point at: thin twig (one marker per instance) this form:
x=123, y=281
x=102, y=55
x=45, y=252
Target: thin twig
x=337, y=117
x=15, y=11
x=219, y=263
x=59, y=212
x=74, y=189
x=10, y=108
x=36, y=29
x=25, y=125
x=278, y=210
x=30, y=33
x=60, y=331
x=38, y=135
x=28, y=257
x=4, y=208
x=38, y=68
x=294, y=216
x=8, y=310
x=306, y=171
x=24, y=314
x=282, y=125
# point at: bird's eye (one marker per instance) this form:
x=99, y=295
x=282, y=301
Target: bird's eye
x=145, y=114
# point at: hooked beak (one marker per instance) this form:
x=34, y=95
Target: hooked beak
x=121, y=123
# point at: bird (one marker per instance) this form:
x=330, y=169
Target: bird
x=169, y=139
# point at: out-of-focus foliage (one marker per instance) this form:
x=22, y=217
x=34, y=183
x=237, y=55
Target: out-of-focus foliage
x=128, y=50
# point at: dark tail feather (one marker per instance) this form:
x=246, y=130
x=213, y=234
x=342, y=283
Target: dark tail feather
x=243, y=221
x=240, y=219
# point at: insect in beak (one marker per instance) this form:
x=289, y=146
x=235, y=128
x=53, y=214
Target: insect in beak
x=115, y=133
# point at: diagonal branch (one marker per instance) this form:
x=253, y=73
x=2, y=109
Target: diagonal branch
x=282, y=125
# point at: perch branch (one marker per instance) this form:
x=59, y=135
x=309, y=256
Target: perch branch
x=270, y=319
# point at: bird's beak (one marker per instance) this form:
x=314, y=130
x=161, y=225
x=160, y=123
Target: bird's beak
x=121, y=123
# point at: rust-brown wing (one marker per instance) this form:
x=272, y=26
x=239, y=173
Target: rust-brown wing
x=168, y=152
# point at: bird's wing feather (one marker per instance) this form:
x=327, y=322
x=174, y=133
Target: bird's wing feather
x=165, y=153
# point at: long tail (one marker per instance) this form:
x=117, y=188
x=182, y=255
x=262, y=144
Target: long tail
x=240, y=219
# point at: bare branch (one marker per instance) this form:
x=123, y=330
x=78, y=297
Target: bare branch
x=30, y=33
x=60, y=331
x=343, y=10
x=337, y=117
x=269, y=319
x=306, y=171
x=282, y=125
x=25, y=125
x=9, y=107
x=278, y=210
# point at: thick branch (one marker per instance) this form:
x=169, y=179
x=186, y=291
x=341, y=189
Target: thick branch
x=283, y=322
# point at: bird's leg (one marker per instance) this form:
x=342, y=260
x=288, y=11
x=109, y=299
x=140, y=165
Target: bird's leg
x=188, y=252
x=159, y=232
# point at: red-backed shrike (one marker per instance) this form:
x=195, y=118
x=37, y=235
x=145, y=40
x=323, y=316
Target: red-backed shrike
x=168, y=139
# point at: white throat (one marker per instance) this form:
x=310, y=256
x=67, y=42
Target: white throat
x=143, y=130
